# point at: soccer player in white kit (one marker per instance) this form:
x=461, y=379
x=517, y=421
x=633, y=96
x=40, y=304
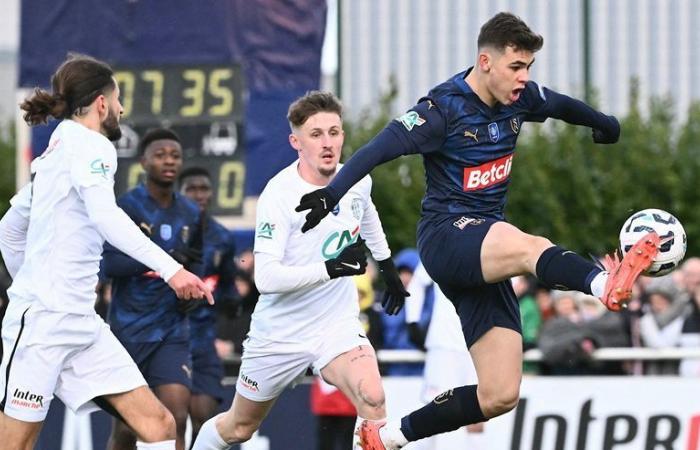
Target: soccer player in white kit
x=308, y=311
x=51, y=239
x=448, y=363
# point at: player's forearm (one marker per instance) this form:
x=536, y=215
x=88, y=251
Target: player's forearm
x=575, y=112
x=272, y=277
x=13, y=239
x=384, y=147
x=120, y=231
x=116, y=264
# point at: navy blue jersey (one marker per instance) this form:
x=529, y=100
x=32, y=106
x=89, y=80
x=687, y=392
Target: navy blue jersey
x=219, y=271
x=143, y=306
x=467, y=146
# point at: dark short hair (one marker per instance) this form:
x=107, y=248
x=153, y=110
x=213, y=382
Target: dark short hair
x=156, y=134
x=77, y=82
x=508, y=30
x=311, y=103
x=194, y=171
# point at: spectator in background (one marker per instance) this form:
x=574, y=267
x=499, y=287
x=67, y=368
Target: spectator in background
x=690, y=332
x=660, y=330
x=580, y=326
x=395, y=328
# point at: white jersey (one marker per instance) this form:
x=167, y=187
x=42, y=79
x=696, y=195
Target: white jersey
x=445, y=329
x=64, y=248
x=312, y=307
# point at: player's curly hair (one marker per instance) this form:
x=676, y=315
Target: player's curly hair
x=75, y=85
x=508, y=30
x=311, y=103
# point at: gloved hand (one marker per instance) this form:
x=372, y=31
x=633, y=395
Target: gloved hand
x=187, y=256
x=320, y=203
x=610, y=135
x=351, y=261
x=416, y=335
x=187, y=306
x=394, y=294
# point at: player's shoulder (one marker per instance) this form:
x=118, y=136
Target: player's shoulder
x=78, y=138
x=531, y=98
x=281, y=183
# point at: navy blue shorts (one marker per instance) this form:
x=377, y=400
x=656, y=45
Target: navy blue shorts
x=450, y=250
x=164, y=362
x=207, y=372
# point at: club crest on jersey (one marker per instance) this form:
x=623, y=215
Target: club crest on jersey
x=356, y=208
x=514, y=125
x=411, y=119
x=185, y=233
x=494, y=133
x=166, y=232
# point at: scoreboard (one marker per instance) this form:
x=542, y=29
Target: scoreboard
x=205, y=106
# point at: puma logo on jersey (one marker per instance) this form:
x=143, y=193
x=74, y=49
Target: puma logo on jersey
x=352, y=266
x=187, y=371
x=469, y=134
x=148, y=229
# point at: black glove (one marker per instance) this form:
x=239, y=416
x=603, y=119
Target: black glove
x=395, y=294
x=187, y=306
x=320, y=203
x=610, y=135
x=417, y=335
x=351, y=261
x=187, y=256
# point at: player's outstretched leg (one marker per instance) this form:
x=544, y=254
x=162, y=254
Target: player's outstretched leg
x=623, y=273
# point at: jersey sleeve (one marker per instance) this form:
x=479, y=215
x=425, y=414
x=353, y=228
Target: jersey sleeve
x=94, y=162
x=422, y=129
x=272, y=224
x=533, y=100
x=22, y=201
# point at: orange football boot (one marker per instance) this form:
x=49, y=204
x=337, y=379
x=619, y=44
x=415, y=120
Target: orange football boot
x=623, y=273
x=369, y=435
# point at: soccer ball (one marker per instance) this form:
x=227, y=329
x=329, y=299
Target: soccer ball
x=669, y=229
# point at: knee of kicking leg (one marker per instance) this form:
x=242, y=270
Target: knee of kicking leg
x=499, y=401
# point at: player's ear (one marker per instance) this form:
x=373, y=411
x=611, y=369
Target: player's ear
x=484, y=61
x=294, y=141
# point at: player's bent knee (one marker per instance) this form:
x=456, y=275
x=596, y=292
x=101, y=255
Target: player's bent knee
x=500, y=402
x=239, y=433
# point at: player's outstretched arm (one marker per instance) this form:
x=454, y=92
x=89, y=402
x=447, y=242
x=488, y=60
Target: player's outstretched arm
x=606, y=129
x=13, y=230
x=120, y=231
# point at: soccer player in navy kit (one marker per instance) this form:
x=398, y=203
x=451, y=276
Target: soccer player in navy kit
x=466, y=129
x=219, y=271
x=144, y=314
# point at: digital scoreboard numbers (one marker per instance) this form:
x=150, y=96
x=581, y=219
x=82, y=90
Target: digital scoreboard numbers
x=204, y=105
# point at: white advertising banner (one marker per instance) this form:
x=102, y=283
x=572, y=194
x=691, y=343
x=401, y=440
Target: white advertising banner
x=582, y=413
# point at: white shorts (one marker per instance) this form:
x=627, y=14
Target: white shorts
x=268, y=367
x=446, y=369
x=73, y=356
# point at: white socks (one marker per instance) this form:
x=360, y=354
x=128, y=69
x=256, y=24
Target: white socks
x=208, y=438
x=162, y=445
x=391, y=435
x=598, y=284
